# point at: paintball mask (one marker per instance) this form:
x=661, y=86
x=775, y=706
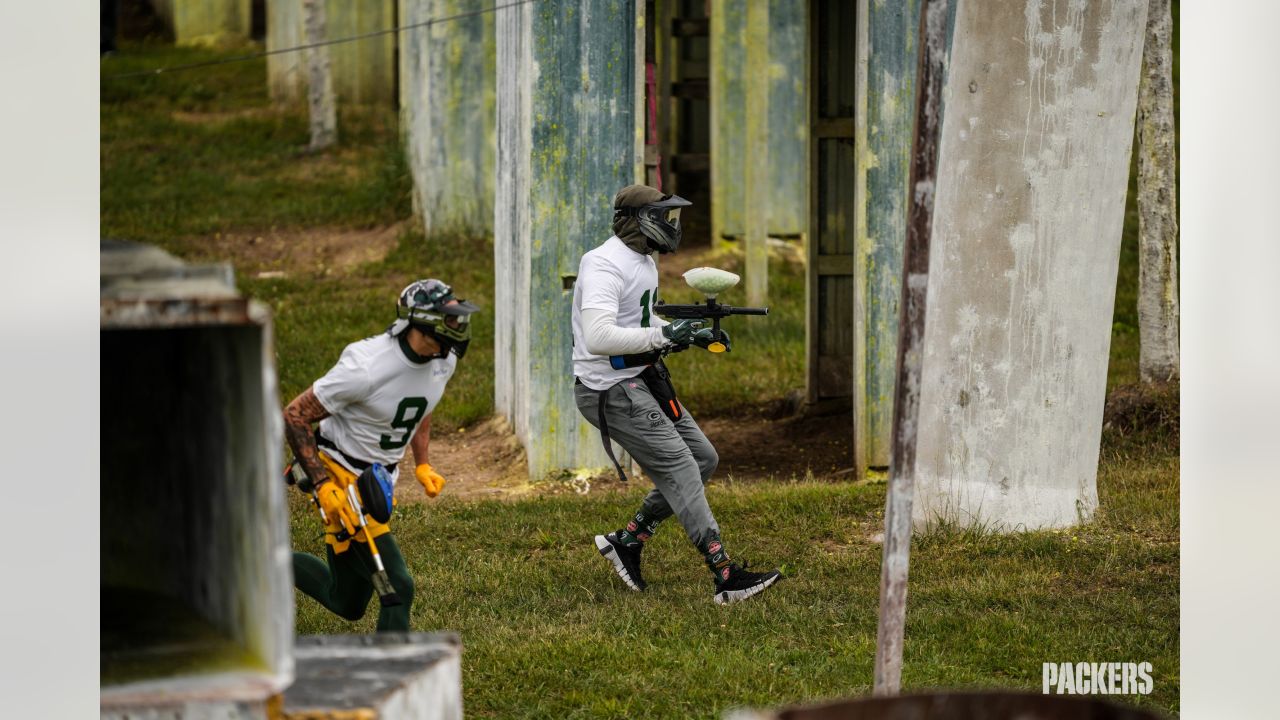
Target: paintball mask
x=658, y=221
x=430, y=306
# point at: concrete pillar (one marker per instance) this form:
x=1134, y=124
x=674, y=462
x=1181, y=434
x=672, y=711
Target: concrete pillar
x=1033, y=168
x=206, y=22
x=570, y=135
x=885, y=153
x=447, y=82
x=364, y=71
x=783, y=109
x=286, y=72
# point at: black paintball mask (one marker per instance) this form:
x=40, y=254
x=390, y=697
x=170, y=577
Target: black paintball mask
x=646, y=220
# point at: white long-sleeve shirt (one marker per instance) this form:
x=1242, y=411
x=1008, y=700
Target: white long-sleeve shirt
x=613, y=301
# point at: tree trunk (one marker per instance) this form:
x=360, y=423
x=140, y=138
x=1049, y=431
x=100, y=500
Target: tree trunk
x=1157, y=203
x=324, y=116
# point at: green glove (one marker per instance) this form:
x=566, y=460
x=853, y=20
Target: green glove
x=706, y=339
x=682, y=332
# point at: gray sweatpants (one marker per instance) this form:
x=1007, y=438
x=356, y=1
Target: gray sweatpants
x=676, y=456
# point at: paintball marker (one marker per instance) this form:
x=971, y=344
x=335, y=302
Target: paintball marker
x=387, y=596
x=710, y=282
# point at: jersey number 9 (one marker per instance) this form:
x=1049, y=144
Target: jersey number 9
x=410, y=411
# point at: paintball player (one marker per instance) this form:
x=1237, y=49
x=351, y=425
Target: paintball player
x=376, y=400
x=613, y=315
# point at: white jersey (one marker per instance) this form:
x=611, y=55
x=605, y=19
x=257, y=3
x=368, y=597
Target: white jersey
x=615, y=278
x=376, y=397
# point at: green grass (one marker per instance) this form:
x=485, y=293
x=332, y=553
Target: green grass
x=548, y=632
x=195, y=153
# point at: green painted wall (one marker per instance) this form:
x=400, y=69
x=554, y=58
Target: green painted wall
x=568, y=140
x=207, y=22
x=886, y=138
x=447, y=88
x=786, y=107
x=364, y=72
x=893, y=28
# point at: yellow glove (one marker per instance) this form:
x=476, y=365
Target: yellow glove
x=336, y=506
x=432, y=481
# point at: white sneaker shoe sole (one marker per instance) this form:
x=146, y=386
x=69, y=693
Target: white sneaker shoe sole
x=726, y=597
x=606, y=549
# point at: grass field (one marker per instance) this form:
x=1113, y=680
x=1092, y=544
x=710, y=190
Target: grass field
x=548, y=632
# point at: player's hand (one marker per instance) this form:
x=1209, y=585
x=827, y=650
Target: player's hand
x=706, y=337
x=432, y=481
x=681, y=332
x=335, y=504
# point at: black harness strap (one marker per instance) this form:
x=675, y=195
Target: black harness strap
x=604, y=437
x=604, y=429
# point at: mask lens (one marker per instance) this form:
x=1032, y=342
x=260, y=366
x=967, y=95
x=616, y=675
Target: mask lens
x=454, y=321
x=673, y=216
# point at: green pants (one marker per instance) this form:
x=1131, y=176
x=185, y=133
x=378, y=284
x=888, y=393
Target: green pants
x=345, y=584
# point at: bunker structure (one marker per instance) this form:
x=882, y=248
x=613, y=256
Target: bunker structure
x=196, y=594
x=364, y=72
x=846, y=89
x=570, y=134
x=1032, y=173
x=710, y=80
x=206, y=22
x=782, y=121
x=448, y=113
x=197, y=603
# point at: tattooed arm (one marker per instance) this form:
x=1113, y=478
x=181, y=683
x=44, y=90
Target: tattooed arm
x=421, y=440
x=298, y=418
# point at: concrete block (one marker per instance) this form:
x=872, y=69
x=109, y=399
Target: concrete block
x=196, y=582
x=387, y=676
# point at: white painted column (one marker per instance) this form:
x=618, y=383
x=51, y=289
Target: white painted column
x=1032, y=177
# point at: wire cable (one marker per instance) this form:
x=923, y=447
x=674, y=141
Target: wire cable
x=336, y=41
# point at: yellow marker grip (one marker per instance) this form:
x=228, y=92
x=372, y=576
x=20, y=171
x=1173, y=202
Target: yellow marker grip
x=716, y=347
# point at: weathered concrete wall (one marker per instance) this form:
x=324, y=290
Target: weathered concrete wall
x=286, y=72
x=364, y=71
x=885, y=137
x=570, y=134
x=785, y=107
x=206, y=22
x=1033, y=166
x=447, y=84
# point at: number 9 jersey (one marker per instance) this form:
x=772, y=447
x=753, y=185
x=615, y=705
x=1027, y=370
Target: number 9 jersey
x=377, y=396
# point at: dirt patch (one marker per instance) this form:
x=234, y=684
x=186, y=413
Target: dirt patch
x=220, y=117
x=758, y=445
x=315, y=252
x=1143, y=412
x=482, y=461
x=487, y=461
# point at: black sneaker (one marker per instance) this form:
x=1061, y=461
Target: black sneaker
x=626, y=560
x=740, y=583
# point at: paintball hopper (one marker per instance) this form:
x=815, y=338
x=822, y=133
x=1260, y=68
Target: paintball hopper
x=710, y=281
x=376, y=491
